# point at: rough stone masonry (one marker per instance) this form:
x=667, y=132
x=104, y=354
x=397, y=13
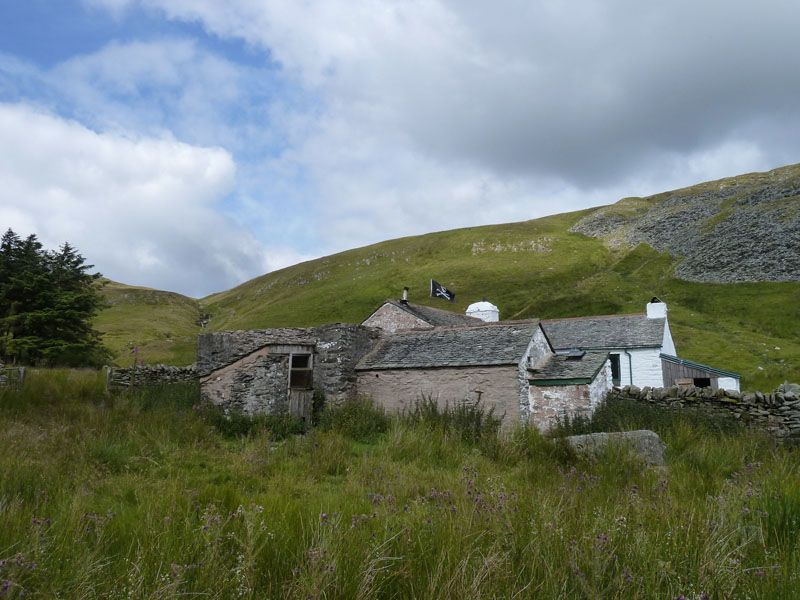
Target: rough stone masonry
x=777, y=412
x=229, y=363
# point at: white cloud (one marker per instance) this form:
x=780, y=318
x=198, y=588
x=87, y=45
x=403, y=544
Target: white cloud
x=423, y=98
x=398, y=117
x=143, y=210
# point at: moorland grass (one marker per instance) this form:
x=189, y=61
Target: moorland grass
x=142, y=496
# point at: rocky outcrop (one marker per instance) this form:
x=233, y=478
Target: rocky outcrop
x=646, y=444
x=743, y=228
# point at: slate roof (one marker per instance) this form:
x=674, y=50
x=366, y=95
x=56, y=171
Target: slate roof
x=559, y=367
x=614, y=331
x=484, y=345
x=437, y=317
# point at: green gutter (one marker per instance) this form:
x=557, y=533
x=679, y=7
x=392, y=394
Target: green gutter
x=630, y=364
x=549, y=382
x=690, y=363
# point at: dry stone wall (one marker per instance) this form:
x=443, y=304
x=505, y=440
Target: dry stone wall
x=777, y=412
x=126, y=377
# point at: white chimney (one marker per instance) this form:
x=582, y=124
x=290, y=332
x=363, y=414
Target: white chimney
x=656, y=309
x=486, y=311
x=405, y=296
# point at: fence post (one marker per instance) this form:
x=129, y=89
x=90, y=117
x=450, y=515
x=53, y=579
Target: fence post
x=109, y=373
x=21, y=377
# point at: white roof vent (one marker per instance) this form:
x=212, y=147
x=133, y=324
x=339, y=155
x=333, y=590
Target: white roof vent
x=486, y=311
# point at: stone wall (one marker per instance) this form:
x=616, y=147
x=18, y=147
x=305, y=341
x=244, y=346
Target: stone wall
x=548, y=404
x=217, y=350
x=391, y=318
x=777, y=412
x=338, y=350
x=249, y=370
x=538, y=349
x=646, y=363
x=398, y=389
x=118, y=378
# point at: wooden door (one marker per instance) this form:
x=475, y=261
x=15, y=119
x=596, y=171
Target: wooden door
x=300, y=403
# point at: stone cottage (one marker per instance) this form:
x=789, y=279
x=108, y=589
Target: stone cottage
x=510, y=367
x=640, y=347
x=487, y=363
x=532, y=370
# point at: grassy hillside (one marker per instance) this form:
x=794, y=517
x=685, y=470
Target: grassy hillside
x=163, y=324
x=534, y=269
x=529, y=269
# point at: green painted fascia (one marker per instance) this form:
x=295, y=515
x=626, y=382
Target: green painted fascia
x=696, y=365
x=551, y=382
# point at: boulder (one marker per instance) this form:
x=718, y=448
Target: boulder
x=644, y=443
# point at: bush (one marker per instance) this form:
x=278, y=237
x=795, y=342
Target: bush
x=357, y=418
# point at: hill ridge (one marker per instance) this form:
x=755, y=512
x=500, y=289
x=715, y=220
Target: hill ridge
x=597, y=261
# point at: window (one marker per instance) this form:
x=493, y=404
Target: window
x=702, y=382
x=614, y=358
x=300, y=372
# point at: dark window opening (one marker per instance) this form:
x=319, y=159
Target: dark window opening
x=301, y=361
x=300, y=374
x=702, y=382
x=614, y=367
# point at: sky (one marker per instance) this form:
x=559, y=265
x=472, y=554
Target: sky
x=191, y=145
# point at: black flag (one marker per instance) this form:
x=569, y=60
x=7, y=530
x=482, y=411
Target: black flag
x=439, y=291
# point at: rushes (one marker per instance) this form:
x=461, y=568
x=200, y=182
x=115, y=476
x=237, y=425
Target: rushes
x=120, y=498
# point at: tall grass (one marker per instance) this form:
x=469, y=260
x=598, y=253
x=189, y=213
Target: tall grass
x=142, y=497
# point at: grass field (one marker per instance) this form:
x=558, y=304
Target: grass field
x=148, y=495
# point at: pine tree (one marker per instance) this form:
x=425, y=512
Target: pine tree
x=47, y=303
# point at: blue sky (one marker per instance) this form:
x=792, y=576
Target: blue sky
x=190, y=145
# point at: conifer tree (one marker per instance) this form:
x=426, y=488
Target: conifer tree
x=47, y=303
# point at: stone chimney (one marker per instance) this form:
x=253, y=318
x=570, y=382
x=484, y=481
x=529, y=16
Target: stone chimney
x=486, y=311
x=656, y=309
